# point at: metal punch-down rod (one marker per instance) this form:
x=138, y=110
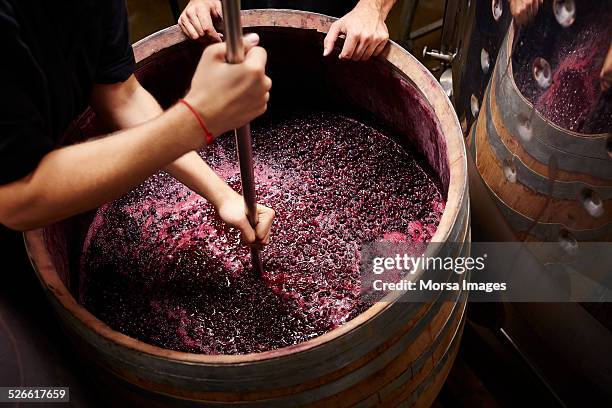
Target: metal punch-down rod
x=235, y=55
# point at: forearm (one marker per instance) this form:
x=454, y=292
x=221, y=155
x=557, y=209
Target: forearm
x=607, y=65
x=193, y=172
x=382, y=6
x=80, y=177
x=134, y=105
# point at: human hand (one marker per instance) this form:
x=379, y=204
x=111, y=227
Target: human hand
x=233, y=212
x=524, y=11
x=365, y=30
x=606, y=72
x=197, y=19
x=228, y=96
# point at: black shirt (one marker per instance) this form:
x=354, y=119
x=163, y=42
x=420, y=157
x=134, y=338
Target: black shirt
x=53, y=53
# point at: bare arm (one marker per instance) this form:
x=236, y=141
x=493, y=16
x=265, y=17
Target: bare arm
x=128, y=104
x=80, y=177
x=524, y=11
x=606, y=71
x=365, y=30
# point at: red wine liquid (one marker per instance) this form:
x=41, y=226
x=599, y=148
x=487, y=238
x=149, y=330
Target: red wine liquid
x=158, y=264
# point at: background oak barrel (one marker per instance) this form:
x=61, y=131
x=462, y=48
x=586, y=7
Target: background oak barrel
x=551, y=184
x=395, y=352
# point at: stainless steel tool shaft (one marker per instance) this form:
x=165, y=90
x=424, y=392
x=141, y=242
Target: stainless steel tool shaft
x=235, y=55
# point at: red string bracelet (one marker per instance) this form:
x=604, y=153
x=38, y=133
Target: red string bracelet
x=207, y=135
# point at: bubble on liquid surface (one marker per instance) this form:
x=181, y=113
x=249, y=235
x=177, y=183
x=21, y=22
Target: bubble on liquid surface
x=565, y=12
x=158, y=264
x=542, y=73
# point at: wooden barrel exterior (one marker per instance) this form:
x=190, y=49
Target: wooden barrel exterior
x=395, y=353
x=550, y=183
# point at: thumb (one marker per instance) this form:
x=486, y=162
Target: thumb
x=331, y=37
x=247, y=233
x=218, y=51
x=250, y=40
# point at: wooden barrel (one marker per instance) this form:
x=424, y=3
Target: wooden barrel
x=550, y=183
x=395, y=352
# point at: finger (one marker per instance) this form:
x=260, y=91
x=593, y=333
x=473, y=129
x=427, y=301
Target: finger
x=218, y=11
x=262, y=229
x=369, y=50
x=207, y=25
x=247, y=234
x=350, y=44
x=250, y=40
x=379, y=48
x=330, y=38
x=267, y=83
x=190, y=31
x=214, y=35
x=256, y=58
x=262, y=232
x=217, y=51
x=360, y=50
x=195, y=23
x=265, y=240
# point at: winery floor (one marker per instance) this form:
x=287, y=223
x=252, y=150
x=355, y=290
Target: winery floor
x=488, y=372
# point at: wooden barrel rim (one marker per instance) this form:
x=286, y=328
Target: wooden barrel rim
x=519, y=150
x=531, y=177
x=508, y=52
x=414, y=71
x=574, y=154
